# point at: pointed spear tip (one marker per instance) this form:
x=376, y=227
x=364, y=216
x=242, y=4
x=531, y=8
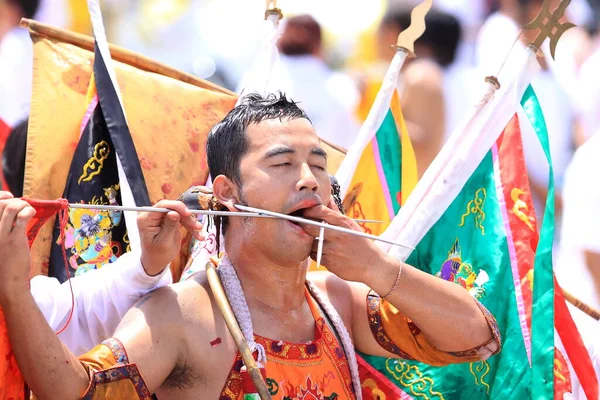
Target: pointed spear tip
x=408, y=37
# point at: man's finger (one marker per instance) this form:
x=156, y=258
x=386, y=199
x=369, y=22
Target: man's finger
x=171, y=221
x=9, y=215
x=193, y=226
x=3, y=204
x=23, y=218
x=332, y=205
x=312, y=230
x=176, y=206
x=323, y=213
x=5, y=195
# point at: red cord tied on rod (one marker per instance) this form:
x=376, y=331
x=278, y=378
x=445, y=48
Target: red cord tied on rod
x=44, y=210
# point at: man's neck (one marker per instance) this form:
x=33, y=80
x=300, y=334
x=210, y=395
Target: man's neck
x=267, y=284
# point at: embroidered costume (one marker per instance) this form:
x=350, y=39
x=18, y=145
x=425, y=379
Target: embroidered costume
x=318, y=368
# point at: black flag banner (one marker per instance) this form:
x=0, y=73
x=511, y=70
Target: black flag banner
x=96, y=237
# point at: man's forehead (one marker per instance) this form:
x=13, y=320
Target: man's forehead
x=285, y=131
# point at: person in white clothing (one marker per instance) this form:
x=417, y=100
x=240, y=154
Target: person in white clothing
x=328, y=97
x=578, y=269
x=99, y=301
x=578, y=266
x=589, y=95
x=16, y=60
x=100, y=297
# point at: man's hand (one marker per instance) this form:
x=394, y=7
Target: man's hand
x=14, y=247
x=160, y=236
x=348, y=256
x=5, y=195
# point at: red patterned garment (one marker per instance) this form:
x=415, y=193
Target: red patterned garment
x=314, y=370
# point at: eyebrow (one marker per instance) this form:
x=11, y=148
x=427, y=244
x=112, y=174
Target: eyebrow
x=317, y=151
x=277, y=151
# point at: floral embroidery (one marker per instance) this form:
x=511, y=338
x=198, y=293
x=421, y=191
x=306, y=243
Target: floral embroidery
x=122, y=370
x=117, y=349
x=129, y=371
x=324, y=349
x=374, y=312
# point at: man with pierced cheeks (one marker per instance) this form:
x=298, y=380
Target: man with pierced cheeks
x=264, y=154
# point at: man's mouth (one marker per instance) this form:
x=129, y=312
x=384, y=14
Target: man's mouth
x=298, y=213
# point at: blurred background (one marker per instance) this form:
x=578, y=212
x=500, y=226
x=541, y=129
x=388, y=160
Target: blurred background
x=334, y=54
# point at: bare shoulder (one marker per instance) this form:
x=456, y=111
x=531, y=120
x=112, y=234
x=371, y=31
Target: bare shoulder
x=172, y=307
x=343, y=295
x=331, y=284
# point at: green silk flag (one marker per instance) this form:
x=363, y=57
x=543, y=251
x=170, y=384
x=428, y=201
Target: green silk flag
x=486, y=241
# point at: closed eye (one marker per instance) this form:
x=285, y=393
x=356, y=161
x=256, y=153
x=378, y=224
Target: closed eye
x=319, y=167
x=285, y=164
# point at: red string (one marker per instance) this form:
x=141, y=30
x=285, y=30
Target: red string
x=63, y=218
x=46, y=209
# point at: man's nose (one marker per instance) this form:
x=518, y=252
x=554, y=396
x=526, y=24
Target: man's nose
x=307, y=180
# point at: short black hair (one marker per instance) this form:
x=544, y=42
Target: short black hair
x=28, y=7
x=302, y=35
x=227, y=142
x=13, y=158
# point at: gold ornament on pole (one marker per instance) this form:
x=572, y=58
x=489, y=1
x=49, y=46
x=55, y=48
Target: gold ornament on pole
x=408, y=37
x=272, y=9
x=549, y=25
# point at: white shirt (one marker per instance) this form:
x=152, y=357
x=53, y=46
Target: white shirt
x=581, y=223
x=327, y=97
x=16, y=68
x=494, y=42
x=589, y=94
x=102, y=297
x=580, y=233
x=460, y=93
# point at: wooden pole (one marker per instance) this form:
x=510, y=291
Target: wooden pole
x=238, y=337
x=119, y=54
x=592, y=312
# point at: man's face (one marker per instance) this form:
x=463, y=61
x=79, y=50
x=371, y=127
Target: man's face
x=284, y=170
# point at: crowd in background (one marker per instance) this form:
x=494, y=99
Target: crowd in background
x=333, y=58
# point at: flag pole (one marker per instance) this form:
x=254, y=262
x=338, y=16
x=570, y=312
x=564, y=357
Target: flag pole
x=272, y=9
x=234, y=329
x=586, y=308
x=404, y=48
x=119, y=54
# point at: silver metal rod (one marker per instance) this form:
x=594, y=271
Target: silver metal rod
x=198, y=212
x=250, y=212
x=320, y=246
x=319, y=224
x=164, y=210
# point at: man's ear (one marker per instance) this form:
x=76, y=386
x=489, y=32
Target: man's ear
x=226, y=191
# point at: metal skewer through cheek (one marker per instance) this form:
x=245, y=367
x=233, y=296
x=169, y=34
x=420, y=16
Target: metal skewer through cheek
x=320, y=246
x=319, y=224
x=249, y=212
x=197, y=212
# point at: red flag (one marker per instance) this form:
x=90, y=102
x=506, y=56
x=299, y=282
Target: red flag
x=12, y=384
x=4, y=132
